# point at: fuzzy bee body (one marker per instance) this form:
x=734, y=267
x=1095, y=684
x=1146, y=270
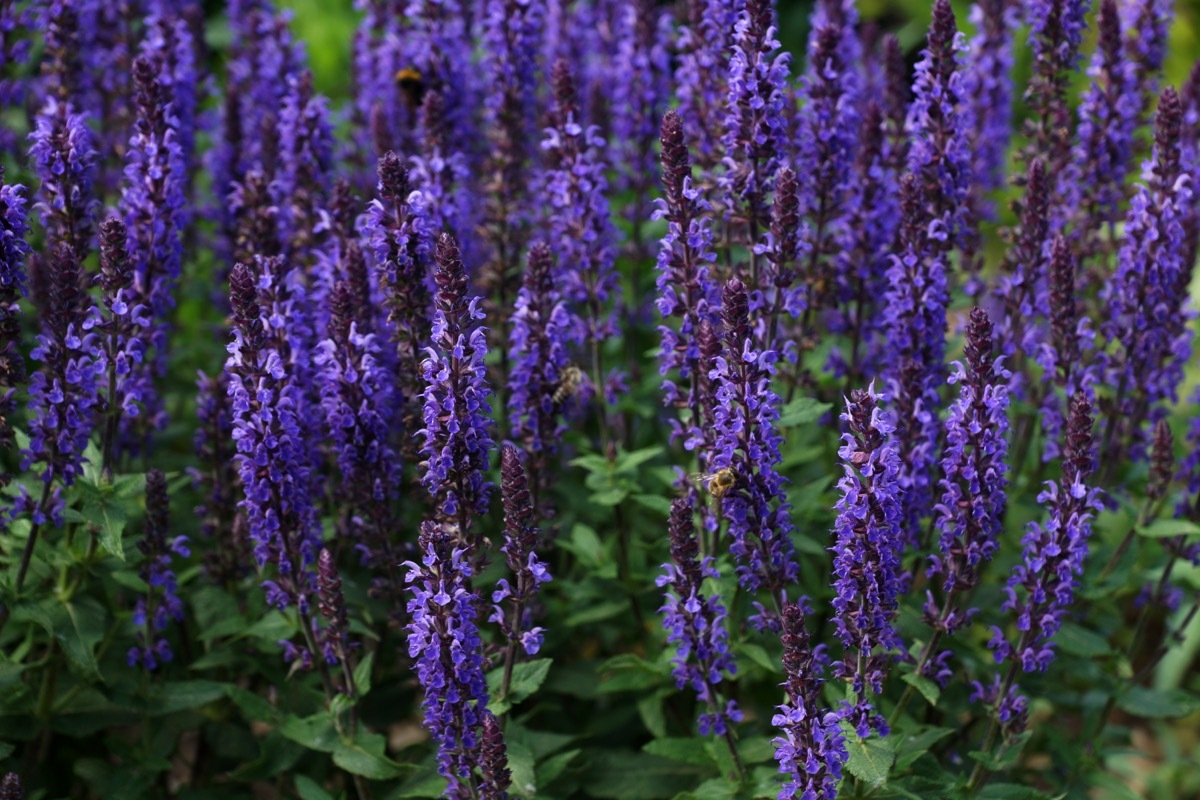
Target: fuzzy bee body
x=718, y=483
x=569, y=384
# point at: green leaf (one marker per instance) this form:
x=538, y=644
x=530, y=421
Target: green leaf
x=629, y=672
x=1011, y=791
x=526, y=679
x=555, y=765
x=308, y=789
x=592, y=462
x=610, y=496
x=315, y=732
x=650, y=709
x=655, y=502
x=184, y=695
x=759, y=656
x=802, y=411
x=624, y=775
x=629, y=462
x=870, y=759
x=928, y=689
x=362, y=674
x=365, y=757
x=1003, y=758
x=1167, y=528
x=1158, y=703
x=915, y=745
x=756, y=750
x=520, y=763
x=254, y=706
x=78, y=626
x=688, y=751
x=1079, y=641
x=109, y=506
x=713, y=789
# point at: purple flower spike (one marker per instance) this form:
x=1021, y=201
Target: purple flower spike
x=162, y=604
x=64, y=157
x=1056, y=31
x=939, y=155
x=685, y=289
x=357, y=403
x=1146, y=296
x=11, y=787
x=827, y=137
x=542, y=381
x=757, y=119
x=493, y=761
x=580, y=225
x=702, y=78
x=13, y=252
x=812, y=750
x=866, y=555
x=62, y=393
x=695, y=623
x=1094, y=186
x=335, y=639
x=987, y=90
x=916, y=328
x=457, y=433
x=1042, y=587
x=520, y=543
x=443, y=642
x=269, y=407
x=153, y=202
x=398, y=241
x=747, y=443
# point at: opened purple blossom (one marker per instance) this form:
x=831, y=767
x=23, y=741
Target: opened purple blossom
x=13, y=252
x=695, y=623
x=64, y=157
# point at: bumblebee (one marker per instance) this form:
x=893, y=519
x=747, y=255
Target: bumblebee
x=413, y=85
x=569, y=384
x=718, y=483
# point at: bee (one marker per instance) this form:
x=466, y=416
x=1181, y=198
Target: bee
x=569, y=383
x=413, y=85
x=718, y=483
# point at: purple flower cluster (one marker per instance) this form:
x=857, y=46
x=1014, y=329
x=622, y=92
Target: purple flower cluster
x=812, y=750
x=444, y=643
x=579, y=224
x=520, y=541
x=457, y=433
x=272, y=453
x=747, y=442
x=1042, y=587
x=161, y=604
x=695, y=623
x=13, y=252
x=868, y=540
x=1145, y=297
x=685, y=289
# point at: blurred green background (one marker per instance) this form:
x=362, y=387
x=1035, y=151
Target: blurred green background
x=327, y=26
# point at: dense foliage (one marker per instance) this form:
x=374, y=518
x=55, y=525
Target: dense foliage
x=597, y=402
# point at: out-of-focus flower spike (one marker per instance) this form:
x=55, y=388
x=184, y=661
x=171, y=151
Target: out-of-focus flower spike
x=13, y=252
x=758, y=122
x=11, y=787
x=702, y=79
x=987, y=91
x=162, y=603
x=1146, y=296
x=1056, y=31
x=529, y=572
